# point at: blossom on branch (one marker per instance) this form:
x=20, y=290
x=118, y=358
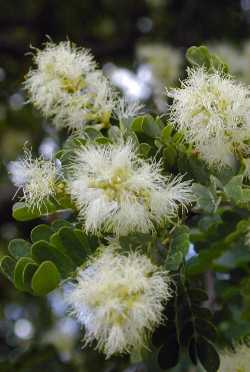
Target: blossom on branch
x=213, y=112
x=119, y=300
x=36, y=177
x=116, y=191
x=66, y=86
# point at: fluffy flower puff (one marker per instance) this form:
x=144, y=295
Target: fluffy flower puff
x=237, y=361
x=116, y=191
x=95, y=103
x=36, y=177
x=127, y=109
x=119, y=300
x=66, y=86
x=212, y=110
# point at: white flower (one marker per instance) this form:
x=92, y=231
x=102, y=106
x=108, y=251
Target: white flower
x=116, y=191
x=119, y=300
x=36, y=177
x=127, y=109
x=93, y=104
x=237, y=361
x=212, y=110
x=66, y=86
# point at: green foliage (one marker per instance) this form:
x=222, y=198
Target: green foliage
x=178, y=248
x=45, y=278
x=55, y=253
x=200, y=56
x=189, y=329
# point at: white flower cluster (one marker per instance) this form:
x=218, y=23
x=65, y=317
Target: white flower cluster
x=238, y=361
x=116, y=191
x=36, y=177
x=213, y=111
x=67, y=86
x=119, y=300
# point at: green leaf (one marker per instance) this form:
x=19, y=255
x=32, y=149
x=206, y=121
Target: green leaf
x=28, y=272
x=208, y=355
x=166, y=134
x=144, y=149
x=115, y=133
x=18, y=273
x=198, y=295
x=169, y=354
x=41, y=232
x=71, y=244
x=200, y=56
x=7, y=266
x=178, y=248
x=233, y=189
x=21, y=212
x=45, y=279
x=136, y=124
x=170, y=154
x=57, y=224
x=103, y=140
x=206, y=328
x=19, y=248
x=151, y=127
x=205, y=198
x=92, y=133
x=43, y=251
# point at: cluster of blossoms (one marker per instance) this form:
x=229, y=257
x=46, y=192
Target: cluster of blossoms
x=67, y=87
x=238, y=360
x=119, y=299
x=212, y=111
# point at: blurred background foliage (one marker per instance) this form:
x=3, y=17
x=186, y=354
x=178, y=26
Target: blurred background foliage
x=141, y=45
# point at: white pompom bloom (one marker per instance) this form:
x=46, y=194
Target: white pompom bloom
x=237, y=361
x=213, y=111
x=66, y=86
x=116, y=191
x=36, y=177
x=127, y=109
x=95, y=103
x=60, y=71
x=119, y=300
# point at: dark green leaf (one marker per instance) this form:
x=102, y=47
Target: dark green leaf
x=169, y=354
x=28, y=272
x=208, y=355
x=43, y=251
x=200, y=56
x=7, y=266
x=18, y=272
x=205, y=199
x=41, y=232
x=45, y=279
x=19, y=248
x=71, y=244
x=22, y=213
